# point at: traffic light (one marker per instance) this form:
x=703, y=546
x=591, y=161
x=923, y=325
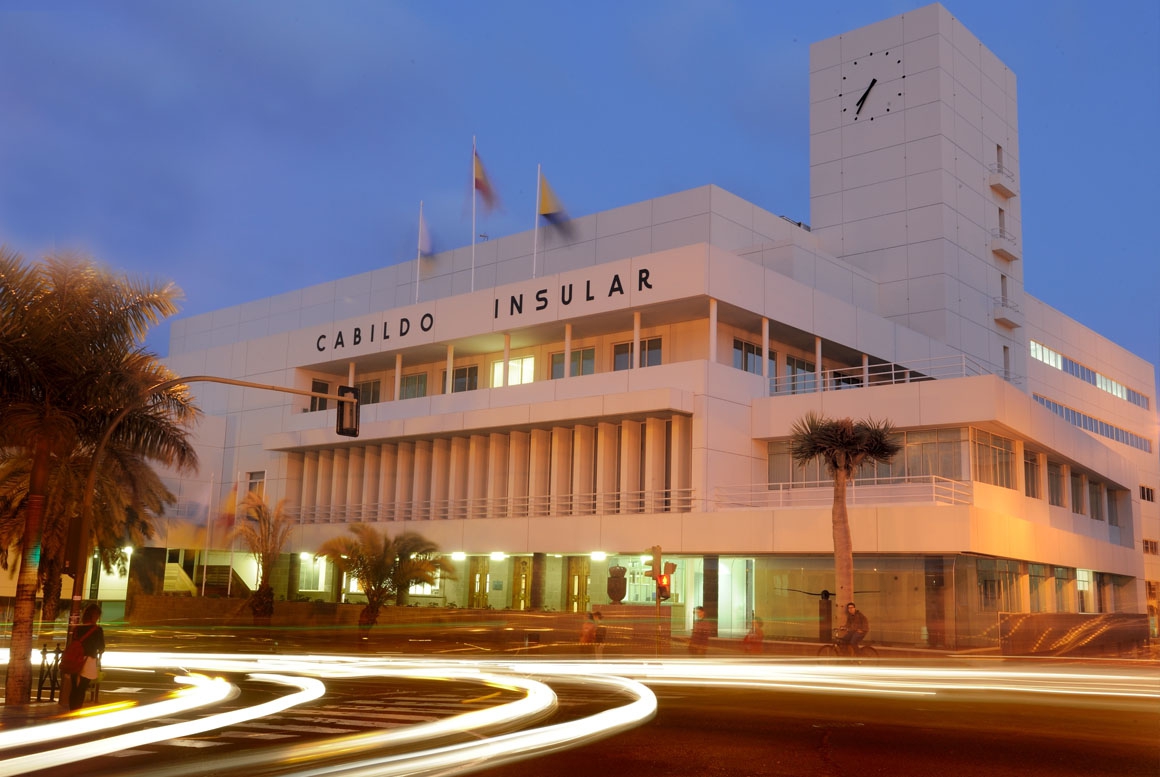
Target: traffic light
x=346, y=423
x=654, y=565
x=663, y=592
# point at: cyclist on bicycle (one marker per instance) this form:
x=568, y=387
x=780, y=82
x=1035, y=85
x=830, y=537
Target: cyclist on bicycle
x=854, y=630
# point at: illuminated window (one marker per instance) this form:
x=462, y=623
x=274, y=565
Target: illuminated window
x=426, y=589
x=520, y=370
x=312, y=574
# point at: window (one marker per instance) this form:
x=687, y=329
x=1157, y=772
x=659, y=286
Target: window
x=1147, y=494
x=1031, y=475
x=783, y=469
x=1085, y=591
x=1077, y=494
x=1042, y=353
x=368, y=392
x=1152, y=547
x=318, y=387
x=425, y=589
x=583, y=363
x=747, y=356
x=650, y=354
x=1095, y=425
x=1095, y=501
x=994, y=459
x=256, y=483
x=311, y=573
x=1054, y=484
x=1114, y=495
x=462, y=379
x=1037, y=577
x=1064, y=589
x=925, y=453
x=413, y=386
x=998, y=581
x=520, y=370
x=799, y=376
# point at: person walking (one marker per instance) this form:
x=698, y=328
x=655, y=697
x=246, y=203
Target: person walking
x=752, y=643
x=600, y=634
x=92, y=637
x=588, y=634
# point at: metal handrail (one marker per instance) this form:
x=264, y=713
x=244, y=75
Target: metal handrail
x=669, y=500
x=935, y=368
x=1003, y=234
x=1006, y=302
x=1003, y=170
x=923, y=489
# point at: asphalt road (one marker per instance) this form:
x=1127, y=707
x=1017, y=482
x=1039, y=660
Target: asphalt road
x=726, y=732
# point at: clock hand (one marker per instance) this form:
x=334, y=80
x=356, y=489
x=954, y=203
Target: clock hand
x=862, y=99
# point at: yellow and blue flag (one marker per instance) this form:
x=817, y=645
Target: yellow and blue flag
x=551, y=209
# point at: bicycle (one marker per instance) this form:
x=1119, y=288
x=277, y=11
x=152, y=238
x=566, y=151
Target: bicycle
x=840, y=649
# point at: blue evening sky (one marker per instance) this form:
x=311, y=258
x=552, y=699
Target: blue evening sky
x=244, y=149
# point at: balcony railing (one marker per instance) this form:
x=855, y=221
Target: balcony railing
x=1006, y=312
x=928, y=489
x=670, y=500
x=1003, y=244
x=840, y=378
x=1002, y=180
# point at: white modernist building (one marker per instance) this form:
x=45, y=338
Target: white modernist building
x=546, y=412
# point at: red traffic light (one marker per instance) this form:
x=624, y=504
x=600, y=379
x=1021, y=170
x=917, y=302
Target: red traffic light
x=663, y=592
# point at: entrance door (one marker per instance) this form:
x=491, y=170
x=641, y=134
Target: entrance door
x=577, y=584
x=479, y=581
x=521, y=583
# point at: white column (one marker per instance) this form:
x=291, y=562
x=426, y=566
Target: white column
x=497, y=470
x=421, y=490
x=354, y=483
x=865, y=370
x=310, y=484
x=338, y=479
x=477, y=461
x=635, y=340
x=765, y=351
x=370, y=483
x=1065, y=477
x=405, y=481
x=654, y=464
x=682, y=463
x=507, y=356
x=818, y=363
x=388, y=481
x=1042, y=459
x=398, y=376
x=325, y=474
x=519, y=453
x=1020, y=470
x=440, y=477
x=560, y=485
x=457, y=477
x=583, y=470
x=540, y=471
x=712, y=330
x=630, y=434
x=607, y=479
x=450, y=369
x=567, y=351
x=294, y=466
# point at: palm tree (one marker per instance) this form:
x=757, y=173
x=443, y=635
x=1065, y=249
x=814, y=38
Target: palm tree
x=70, y=362
x=264, y=532
x=384, y=566
x=843, y=445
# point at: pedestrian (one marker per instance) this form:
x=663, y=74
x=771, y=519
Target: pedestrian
x=92, y=637
x=601, y=633
x=699, y=641
x=588, y=634
x=854, y=630
x=752, y=643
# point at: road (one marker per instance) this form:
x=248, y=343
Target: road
x=711, y=718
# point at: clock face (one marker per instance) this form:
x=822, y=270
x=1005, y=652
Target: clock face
x=872, y=86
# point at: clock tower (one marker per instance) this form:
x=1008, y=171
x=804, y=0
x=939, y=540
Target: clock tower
x=914, y=177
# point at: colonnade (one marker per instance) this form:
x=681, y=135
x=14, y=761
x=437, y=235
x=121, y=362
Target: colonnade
x=630, y=466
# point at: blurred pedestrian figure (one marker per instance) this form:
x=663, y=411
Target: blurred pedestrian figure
x=854, y=630
x=752, y=643
x=92, y=637
x=699, y=641
x=600, y=634
x=588, y=634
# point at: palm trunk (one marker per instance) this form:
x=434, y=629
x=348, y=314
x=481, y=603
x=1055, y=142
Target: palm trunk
x=18, y=684
x=843, y=545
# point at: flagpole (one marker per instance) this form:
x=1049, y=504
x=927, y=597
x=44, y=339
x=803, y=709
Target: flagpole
x=536, y=228
x=418, y=252
x=473, y=229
